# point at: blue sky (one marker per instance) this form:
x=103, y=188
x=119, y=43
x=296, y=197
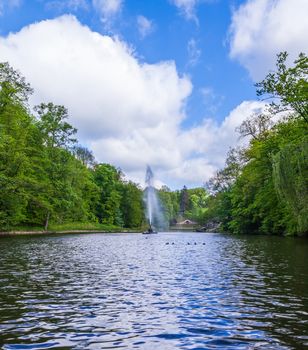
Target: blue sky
x=184, y=73
x=167, y=40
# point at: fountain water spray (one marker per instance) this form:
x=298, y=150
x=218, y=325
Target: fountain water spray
x=150, y=194
x=153, y=207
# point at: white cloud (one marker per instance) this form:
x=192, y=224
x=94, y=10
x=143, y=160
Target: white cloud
x=261, y=29
x=9, y=4
x=212, y=140
x=194, y=52
x=178, y=156
x=65, y=60
x=73, y=5
x=129, y=113
x=145, y=26
x=211, y=100
x=107, y=9
x=207, y=93
x=187, y=8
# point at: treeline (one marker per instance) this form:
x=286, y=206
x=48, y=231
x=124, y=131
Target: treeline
x=184, y=204
x=264, y=187
x=46, y=177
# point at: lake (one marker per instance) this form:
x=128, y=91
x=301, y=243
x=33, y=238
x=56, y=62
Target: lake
x=168, y=291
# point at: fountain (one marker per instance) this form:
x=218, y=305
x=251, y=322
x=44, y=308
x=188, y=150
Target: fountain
x=153, y=207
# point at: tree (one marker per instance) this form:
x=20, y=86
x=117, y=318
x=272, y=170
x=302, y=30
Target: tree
x=132, y=210
x=287, y=85
x=62, y=187
x=256, y=126
x=107, y=178
x=263, y=189
x=14, y=88
x=197, y=206
x=45, y=177
x=290, y=175
x=184, y=200
x=170, y=204
x=270, y=196
x=16, y=133
x=52, y=123
x=84, y=155
x=225, y=178
x=220, y=187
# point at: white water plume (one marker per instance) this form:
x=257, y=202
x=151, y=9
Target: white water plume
x=153, y=206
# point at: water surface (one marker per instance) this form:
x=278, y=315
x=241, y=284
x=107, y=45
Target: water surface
x=165, y=291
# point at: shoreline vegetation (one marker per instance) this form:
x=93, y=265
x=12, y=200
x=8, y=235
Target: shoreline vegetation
x=51, y=184
x=53, y=232
x=40, y=232
x=69, y=228
x=263, y=188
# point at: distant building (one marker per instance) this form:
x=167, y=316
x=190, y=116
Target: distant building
x=185, y=225
x=186, y=222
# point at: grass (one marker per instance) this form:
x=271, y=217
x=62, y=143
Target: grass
x=23, y=228
x=83, y=226
x=73, y=226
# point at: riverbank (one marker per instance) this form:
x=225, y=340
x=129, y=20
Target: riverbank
x=67, y=229
x=21, y=233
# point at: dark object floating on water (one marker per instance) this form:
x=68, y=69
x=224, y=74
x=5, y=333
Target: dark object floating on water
x=150, y=231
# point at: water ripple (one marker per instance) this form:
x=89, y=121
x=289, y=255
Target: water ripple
x=122, y=291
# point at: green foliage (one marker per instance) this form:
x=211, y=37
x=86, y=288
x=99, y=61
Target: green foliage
x=197, y=205
x=46, y=179
x=170, y=203
x=16, y=131
x=187, y=203
x=107, y=178
x=269, y=195
x=84, y=155
x=55, y=130
x=184, y=199
x=14, y=89
x=254, y=203
x=288, y=85
x=131, y=205
x=290, y=174
x=84, y=226
x=266, y=189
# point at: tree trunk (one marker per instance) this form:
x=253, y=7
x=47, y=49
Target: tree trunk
x=47, y=221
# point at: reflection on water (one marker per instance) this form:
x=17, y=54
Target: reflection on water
x=166, y=291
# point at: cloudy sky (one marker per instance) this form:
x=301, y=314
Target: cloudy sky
x=161, y=82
